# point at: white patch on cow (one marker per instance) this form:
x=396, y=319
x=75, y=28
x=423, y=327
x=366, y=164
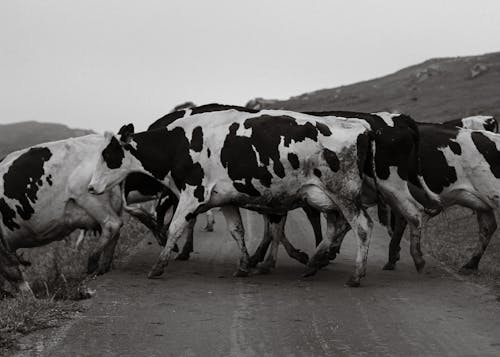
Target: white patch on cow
x=387, y=117
x=476, y=122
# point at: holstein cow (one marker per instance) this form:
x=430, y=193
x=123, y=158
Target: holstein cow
x=462, y=167
x=168, y=200
x=44, y=197
x=269, y=161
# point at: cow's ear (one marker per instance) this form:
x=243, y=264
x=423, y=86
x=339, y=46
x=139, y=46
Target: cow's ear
x=125, y=133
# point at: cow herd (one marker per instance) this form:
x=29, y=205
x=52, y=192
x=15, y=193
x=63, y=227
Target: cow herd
x=271, y=161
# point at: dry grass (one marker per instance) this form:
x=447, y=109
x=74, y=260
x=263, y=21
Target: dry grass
x=24, y=314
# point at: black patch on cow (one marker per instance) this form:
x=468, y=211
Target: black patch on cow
x=144, y=184
x=317, y=172
x=49, y=179
x=294, y=160
x=455, y=147
x=488, y=149
x=8, y=215
x=323, y=129
x=274, y=218
x=435, y=169
x=214, y=107
x=166, y=120
x=165, y=151
x=113, y=154
x=208, y=152
x=491, y=125
x=365, y=155
x=267, y=132
x=331, y=159
x=199, y=193
x=24, y=178
x=197, y=139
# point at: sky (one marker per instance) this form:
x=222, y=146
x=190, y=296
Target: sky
x=98, y=64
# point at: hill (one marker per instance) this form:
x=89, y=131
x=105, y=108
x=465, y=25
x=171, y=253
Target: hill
x=434, y=91
x=20, y=135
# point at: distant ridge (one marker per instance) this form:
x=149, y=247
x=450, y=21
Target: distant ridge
x=433, y=91
x=20, y=135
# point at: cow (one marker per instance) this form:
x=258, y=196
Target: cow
x=269, y=161
x=460, y=166
x=44, y=197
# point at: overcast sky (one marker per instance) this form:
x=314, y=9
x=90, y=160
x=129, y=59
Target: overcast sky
x=99, y=64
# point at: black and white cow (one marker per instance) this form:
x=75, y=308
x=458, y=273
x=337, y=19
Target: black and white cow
x=44, y=197
x=270, y=161
x=460, y=166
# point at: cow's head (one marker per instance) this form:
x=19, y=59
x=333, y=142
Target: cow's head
x=115, y=161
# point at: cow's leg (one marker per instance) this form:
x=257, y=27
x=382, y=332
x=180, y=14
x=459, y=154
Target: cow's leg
x=210, y=221
x=487, y=226
x=415, y=249
x=188, y=246
x=9, y=269
x=399, y=226
x=335, y=222
x=277, y=231
x=293, y=252
x=110, y=224
x=361, y=225
x=314, y=217
x=260, y=253
x=184, y=213
x=342, y=227
x=107, y=255
x=235, y=226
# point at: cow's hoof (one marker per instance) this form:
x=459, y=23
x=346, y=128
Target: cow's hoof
x=332, y=256
x=310, y=271
x=467, y=271
x=208, y=229
x=353, y=282
x=175, y=249
x=156, y=272
x=182, y=256
x=420, y=265
x=103, y=270
x=301, y=257
x=240, y=273
x=253, y=261
x=263, y=269
x=389, y=266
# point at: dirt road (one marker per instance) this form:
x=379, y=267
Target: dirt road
x=199, y=309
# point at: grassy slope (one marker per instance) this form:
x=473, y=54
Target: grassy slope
x=433, y=91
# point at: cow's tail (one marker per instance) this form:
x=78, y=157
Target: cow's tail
x=419, y=182
x=367, y=163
